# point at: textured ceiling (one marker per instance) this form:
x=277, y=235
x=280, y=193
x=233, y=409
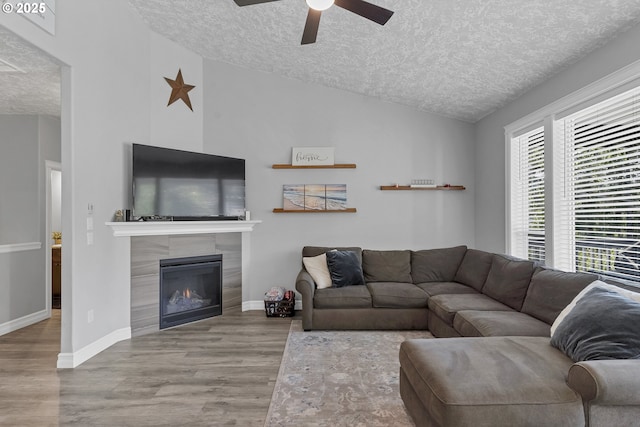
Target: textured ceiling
x=35, y=88
x=456, y=58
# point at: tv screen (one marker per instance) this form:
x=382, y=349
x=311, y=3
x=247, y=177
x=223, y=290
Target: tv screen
x=185, y=185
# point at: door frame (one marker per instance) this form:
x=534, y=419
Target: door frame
x=49, y=166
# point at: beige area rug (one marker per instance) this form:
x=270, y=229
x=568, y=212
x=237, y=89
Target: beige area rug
x=340, y=378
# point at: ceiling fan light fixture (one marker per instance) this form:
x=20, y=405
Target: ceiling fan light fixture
x=320, y=4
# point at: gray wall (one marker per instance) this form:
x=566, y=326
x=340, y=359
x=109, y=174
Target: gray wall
x=490, y=143
x=25, y=143
x=19, y=179
x=260, y=116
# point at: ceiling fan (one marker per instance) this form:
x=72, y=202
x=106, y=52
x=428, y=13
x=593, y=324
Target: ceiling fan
x=367, y=10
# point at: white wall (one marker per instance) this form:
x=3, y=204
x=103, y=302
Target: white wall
x=25, y=143
x=175, y=126
x=490, y=149
x=259, y=117
x=106, y=105
x=49, y=134
x=56, y=201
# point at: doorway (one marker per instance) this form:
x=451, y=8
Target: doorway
x=34, y=83
x=53, y=172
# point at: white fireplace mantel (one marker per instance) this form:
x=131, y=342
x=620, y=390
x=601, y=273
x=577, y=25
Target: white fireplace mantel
x=163, y=228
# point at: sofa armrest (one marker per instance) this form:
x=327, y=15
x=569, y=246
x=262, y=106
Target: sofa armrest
x=606, y=382
x=307, y=287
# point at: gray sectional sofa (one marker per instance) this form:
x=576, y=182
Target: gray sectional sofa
x=496, y=367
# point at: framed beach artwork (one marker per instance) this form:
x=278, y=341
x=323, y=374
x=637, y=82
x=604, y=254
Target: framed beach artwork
x=318, y=197
x=293, y=197
x=336, y=197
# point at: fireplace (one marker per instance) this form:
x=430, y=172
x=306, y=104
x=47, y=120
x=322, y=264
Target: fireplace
x=190, y=289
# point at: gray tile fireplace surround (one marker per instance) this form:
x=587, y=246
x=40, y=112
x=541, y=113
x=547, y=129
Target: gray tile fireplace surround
x=147, y=251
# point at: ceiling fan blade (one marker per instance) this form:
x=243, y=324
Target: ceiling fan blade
x=251, y=2
x=367, y=10
x=311, y=27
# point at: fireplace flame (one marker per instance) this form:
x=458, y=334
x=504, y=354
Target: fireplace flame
x=187, y=293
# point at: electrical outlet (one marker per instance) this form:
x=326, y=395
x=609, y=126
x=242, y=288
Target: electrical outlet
x=90, y=316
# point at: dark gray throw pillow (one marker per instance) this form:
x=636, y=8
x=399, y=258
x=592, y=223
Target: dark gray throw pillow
x=602, y=325
x=344, y=268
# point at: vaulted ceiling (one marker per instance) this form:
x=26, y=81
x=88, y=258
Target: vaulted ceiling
x=456, y=58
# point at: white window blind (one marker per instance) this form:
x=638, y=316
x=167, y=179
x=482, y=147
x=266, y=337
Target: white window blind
x=527, y=195
x=597, y=188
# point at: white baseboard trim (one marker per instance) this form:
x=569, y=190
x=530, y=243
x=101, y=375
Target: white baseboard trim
x=73, y=360
x=259, y=305
x=29, y=319
x=252, y=305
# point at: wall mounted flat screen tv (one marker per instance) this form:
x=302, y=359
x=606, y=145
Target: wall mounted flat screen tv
x=183, y=185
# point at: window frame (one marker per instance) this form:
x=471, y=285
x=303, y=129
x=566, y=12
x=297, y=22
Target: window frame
x=519, y=229
x=616, y=83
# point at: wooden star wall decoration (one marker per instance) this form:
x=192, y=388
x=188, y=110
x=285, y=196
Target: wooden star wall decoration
x=179, y=90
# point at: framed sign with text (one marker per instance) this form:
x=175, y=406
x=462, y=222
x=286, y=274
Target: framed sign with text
x=312, y=156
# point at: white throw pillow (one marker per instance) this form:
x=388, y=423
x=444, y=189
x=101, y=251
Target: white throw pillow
x=597, y=284
x=317, y=268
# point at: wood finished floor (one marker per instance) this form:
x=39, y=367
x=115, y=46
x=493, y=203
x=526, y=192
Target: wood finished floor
x=217, y=372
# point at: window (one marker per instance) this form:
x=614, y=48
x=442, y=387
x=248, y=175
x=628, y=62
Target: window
x=527, y=195
x=592, y=219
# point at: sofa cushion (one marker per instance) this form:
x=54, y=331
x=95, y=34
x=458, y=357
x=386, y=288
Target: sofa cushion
x=436, y=265
x=551, y=290
x=346, y=297
x=439, y=328
x=344, y=268
x=318, y=269
x=439, y=288
x=494, y=381
x=397, y=295
x=508, y=280
x=317, y=250
x=446, y=306
x=626, y=292
x=474, y=268
x=386, y=266
x=471, y=323
x=603, y=325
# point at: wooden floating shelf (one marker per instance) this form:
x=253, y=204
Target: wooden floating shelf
x=336, y=166
x=280, y=210
x=407, y=187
